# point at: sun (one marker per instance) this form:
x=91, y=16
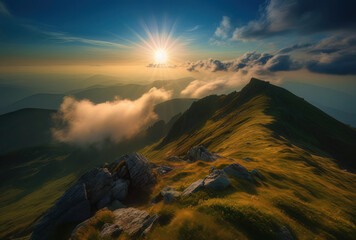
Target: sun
x=160, y=56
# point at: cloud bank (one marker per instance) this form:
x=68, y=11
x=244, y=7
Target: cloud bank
x=301, y=16
x=86, y=123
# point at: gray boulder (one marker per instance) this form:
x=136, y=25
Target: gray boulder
x=174, y=159
x=200, y=153
x=98, y=183
x=110, y=231
x=116, y=204
x=141, y=174
x=73, y=206
x=132, y=221
x=284, y=234
x=163, y=170
x=104, y=201
x=257, y=174
x=120, y=189
x=194, y=187
x=239, y=171
x=217, y=180
x=119, y=168
x=169, y=194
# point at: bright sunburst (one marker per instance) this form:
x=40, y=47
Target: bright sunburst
x=160, y=57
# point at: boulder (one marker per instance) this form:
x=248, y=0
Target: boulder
x=257, y=174
x=104, y=201
x=133, y=221
x=163, y=169
x=194, y=187
x=116, y=204
x=200, y=153
x=120, y=189
x=98, y=183
x=169, y=194
x=73, y=206
x=110, y=231
x=239, y=171
x=141, y=174
x=284, y=234
x=119, y=169
x=217, y=180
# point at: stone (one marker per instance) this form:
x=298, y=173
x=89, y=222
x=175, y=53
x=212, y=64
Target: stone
x=200, y=153
x=119, y=168
x=239, y=171
x=133, y=221
x=104, y=201
x=98, y=183
x=73, y=206
x=217, y=180
x=120, y=189
x=116, y=204
x=247, y=159
x=194, y=187
x=110, y=231
x=257, y=174
x=141, y=174
x=284, y=234
x=169, y=198
x=150, y=223
x=163, y=169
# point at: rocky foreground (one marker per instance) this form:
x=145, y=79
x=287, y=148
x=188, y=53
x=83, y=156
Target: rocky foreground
x=97, y=195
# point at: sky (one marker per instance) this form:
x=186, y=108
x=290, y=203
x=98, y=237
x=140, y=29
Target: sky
x=214, y=41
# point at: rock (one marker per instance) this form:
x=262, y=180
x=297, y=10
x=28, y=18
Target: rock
x=284, y=234
x=168, y=194
x=98, y=183
x=200, y=153
x=257, y=174
x=116, y=204
x=217, y=180
x=104, y=201
x=72, y=206
x=119, y=168
x=163, y=169
x=174, y=159
x=239, y=171
x=110, y=231
x=150, y=223
x=77, y=229
x=194, y=187
x=247, y=159
x=153, y=165
x=141, y=175
x=120, y=189
x=132, y=221
x=169, y=198
x=211, y=169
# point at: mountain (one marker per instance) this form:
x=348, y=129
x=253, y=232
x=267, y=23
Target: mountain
x=166, y=110
x=338, y=104
x=10, y=94
x=97, y=94
x=287, y=158
x=25, y=128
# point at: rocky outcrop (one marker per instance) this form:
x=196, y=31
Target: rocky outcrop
x=132, y=221
x=96, y=189
x=168, y=194
x=257, y=174
x=217, y=180
x=238, y=171
x=194, y=187
x=200, y=153
x=110, y=231
x=284, y=234
x=141, y=174
x=72, y=207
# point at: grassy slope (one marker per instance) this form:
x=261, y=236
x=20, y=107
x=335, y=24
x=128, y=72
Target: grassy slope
x=304, y=189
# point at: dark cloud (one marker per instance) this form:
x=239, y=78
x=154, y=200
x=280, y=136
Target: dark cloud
x=302, y=16
x=251, y=61
x=294, y=47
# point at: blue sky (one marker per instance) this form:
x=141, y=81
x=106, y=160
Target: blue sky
x=284, y=35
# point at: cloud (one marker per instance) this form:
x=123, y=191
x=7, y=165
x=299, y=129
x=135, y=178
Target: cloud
x=199, y=88
x=224, y=28
x=88, y=123
x=196, y=27
x=160, y=65
x=3, y=9
x=332, y=55
x=301, y=16
x=250, y=61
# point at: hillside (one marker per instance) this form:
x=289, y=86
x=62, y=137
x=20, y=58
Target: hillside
x=299, y=151
x=25, y=128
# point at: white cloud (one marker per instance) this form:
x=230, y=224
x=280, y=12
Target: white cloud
x=88, y=123
x=224, y=28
